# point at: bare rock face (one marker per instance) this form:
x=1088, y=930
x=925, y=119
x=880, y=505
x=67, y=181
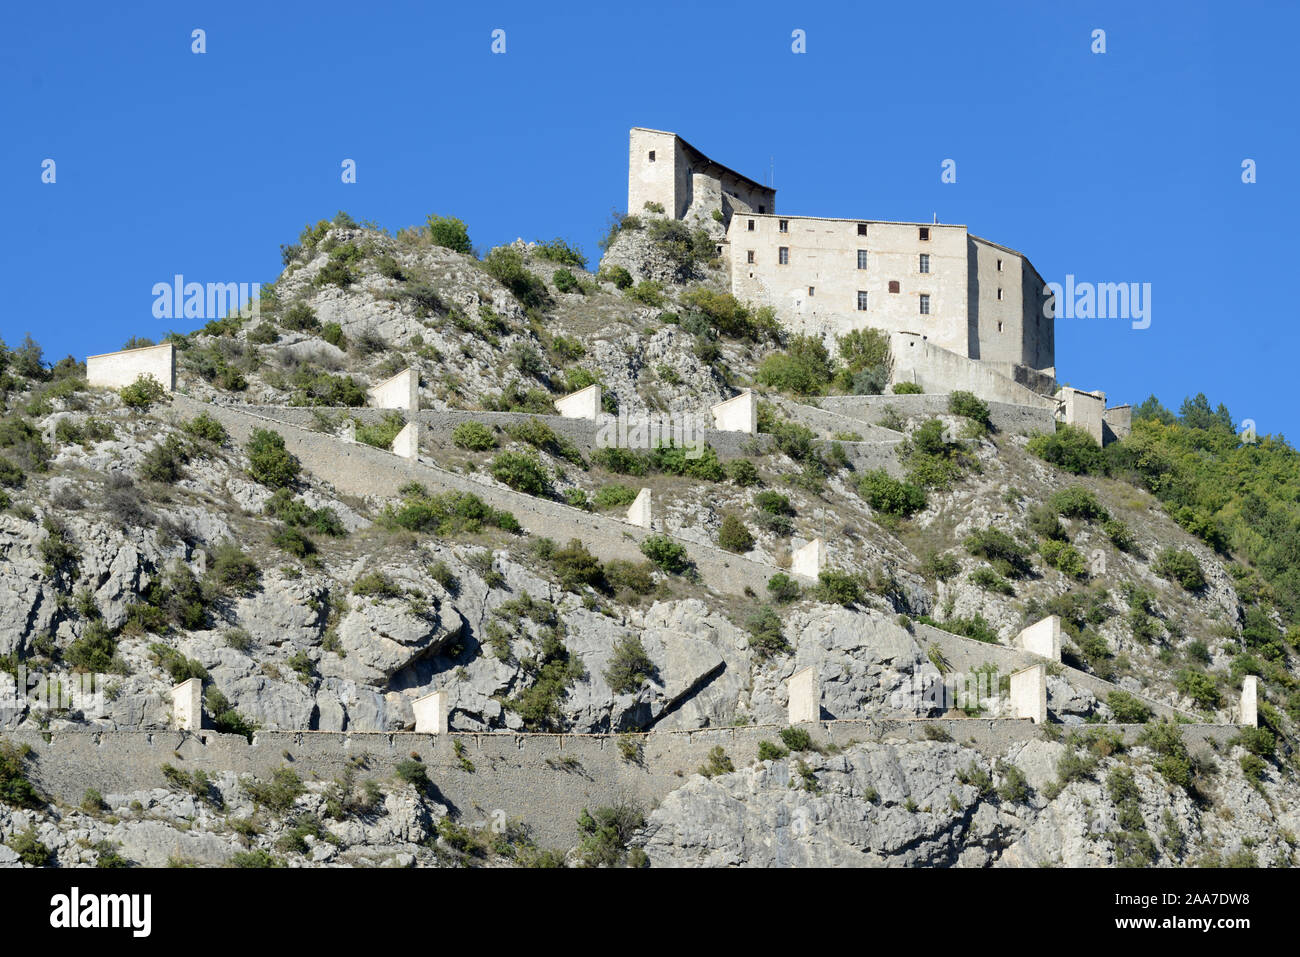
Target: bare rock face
x=643, y=258
x=383, y=637
x=873, y=805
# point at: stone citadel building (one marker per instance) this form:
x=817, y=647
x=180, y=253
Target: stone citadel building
x=962, y=312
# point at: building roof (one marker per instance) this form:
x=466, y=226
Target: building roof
x=712, y=162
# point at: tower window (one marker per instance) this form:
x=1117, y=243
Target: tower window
x=812, y=290
x=999, y=265
x=783, y=255
x=762, y=209
x=999, y=295
x=749, y=255
x=925, y=304
x=862, y=259
x=999, y=326
x=750, y=227
x=862, y=229
x=652, y=156
x=925, y=232
x=783, y=225
x=862, y=301
x=893, y=285
x=925, y=262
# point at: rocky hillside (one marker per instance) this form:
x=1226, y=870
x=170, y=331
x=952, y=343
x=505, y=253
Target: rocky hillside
x=147, y=546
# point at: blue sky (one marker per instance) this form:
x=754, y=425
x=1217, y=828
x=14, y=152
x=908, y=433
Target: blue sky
x=1115, y=167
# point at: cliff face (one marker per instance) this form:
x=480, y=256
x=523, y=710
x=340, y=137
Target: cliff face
x=146, y=544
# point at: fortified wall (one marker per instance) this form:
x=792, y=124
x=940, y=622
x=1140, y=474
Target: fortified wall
x=543, y=780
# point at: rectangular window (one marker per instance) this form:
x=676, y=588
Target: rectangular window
x=999, y=295
x=783, y=225
x=999, y=265
x=762, y=209
x=925, y=304
x=652, y=156
x=862, y=301
x=925, y=262
x=925, y=232
x=750, y=227
x=812, y=290
x=999, y=327
x=862, y=229
x=862, y=259
x=893, y=285
x=783, y=255
x=749, y=255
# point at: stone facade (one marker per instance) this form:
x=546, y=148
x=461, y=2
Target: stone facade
x=665, y=172
x=402, y=391
x=112, y=370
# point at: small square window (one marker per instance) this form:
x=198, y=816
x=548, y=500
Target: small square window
x=862, y=301
x=893, y=285
x=750, y=227
x=652, y=156
x=783, y=255
x=783, y=225
x=925, y=232
x=749, y=255
x=862, y=259
x=925, y=304
x=925, y=262
x=862, y=229
x=762, y=209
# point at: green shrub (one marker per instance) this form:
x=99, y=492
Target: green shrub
x=1119, y=534
x=1198, y=686
x=615, y=495
x=621, y=461
x=449, y=232
x=15, y=789
x=380, y=434
x=629, y=666
x=766, y=633
x=300, y=317
x=888, y=495
x=1181, y=566
x=669, y=556
x=449, y=513
x=474, y=436
x=565, y=281
x=333, y=334
x=620, y=277
x=1007, y=555
x=940, y=566
x=1064, y=557
x=269, y=462
x=29, y=849
x=717, y=763
x=233, y=570
x=163, y=461
x=804, y=368
x=837, y=587
x=734, y=536
x=728, y=316
x=774, y=503
x=797, y=739
x=741, y=472
x=633, y=577
x=1127, y=709
x=783, y=588
x=521, y=471
x=907, y=388
x=990, y=580
x=277, y=794
x=967, y=404
x=1070, y=448
x=576, y=566
x=142, y=393
x=1077, y=502
x=506, y=266
x=204, y=426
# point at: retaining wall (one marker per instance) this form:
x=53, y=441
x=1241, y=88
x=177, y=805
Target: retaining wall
x=1004, y=416
x=967, y=654
x=359, y=469
x=543, y=780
